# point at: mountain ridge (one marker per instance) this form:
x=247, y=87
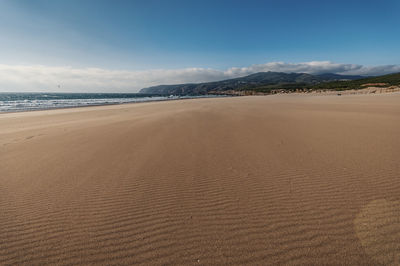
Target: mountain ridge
x=248, y=82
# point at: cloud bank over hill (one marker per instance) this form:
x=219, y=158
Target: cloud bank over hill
x=37, y=78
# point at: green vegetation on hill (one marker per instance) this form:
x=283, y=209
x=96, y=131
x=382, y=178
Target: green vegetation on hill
x=379, y=81
x=274, y=87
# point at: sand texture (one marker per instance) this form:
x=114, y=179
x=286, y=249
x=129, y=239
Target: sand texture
x=284, y=179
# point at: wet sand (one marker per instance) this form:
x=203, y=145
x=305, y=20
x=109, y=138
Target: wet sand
x=284, y=179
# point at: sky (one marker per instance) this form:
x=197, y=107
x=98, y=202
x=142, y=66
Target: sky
x=122, y=46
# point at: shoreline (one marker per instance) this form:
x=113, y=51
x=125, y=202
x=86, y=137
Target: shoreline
x=122, y=103
x=365, y=91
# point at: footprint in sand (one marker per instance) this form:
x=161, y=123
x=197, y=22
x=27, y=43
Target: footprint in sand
x=378, y=228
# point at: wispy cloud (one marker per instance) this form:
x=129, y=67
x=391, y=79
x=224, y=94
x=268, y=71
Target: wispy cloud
x=45, y=78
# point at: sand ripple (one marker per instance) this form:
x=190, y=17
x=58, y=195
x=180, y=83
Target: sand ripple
x=277, y=180
x=378, y=228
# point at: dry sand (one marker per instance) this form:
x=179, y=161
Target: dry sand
x=286, y=179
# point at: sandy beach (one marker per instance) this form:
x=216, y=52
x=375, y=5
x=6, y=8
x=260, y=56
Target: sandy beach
x=262, y=180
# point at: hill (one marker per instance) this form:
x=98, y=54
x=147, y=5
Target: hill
x=378, y=81
x=271, y=80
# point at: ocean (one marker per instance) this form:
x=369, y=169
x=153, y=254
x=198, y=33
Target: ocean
x=16, y=102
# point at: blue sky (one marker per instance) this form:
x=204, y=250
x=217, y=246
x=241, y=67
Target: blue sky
x=139, y=36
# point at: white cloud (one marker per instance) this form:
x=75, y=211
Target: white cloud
x=45, y=78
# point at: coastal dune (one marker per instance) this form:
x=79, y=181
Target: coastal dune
x=283, y=179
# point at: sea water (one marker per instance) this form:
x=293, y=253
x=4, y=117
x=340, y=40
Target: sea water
x=15, y=102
